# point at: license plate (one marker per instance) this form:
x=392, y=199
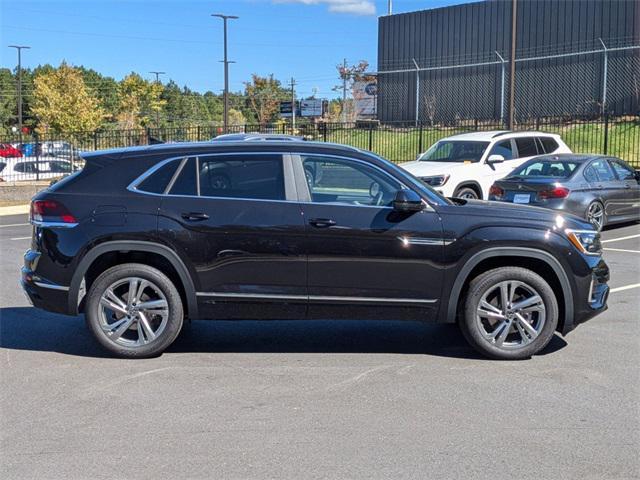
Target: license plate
x=521, y=198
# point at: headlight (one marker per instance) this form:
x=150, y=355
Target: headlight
x=436, y=180
x=586, y=241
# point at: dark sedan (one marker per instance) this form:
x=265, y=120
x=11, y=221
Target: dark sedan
x=603, y=190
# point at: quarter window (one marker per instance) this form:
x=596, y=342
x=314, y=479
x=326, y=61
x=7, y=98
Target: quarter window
x=339, y=181
x=185, y=183
x=526, y=147
x=157, y=182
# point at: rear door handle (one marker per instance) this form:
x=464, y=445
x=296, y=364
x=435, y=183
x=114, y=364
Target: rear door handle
x=194, y=216
x=322, y=222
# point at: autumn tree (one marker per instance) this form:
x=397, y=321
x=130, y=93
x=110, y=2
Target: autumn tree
x=264, y=95
x=139, y=101
x=61, y=102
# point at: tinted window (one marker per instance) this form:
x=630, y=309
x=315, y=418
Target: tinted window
x=25, y=167
x=602, y=170
x=503, y=148
x=185, y=184
x=590, y=174
x=2, y=165
x=549, y=144
x=242, y=176
x=526, y=147
x=548, y=168
x=346, y=182
x=157, y=182
x=455, y=151
x=59, y=167
x=623, y=171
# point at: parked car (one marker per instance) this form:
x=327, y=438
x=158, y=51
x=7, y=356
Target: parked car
x=256, y=137
x=603, y=190
x=9, y=151
x=32, y=168
x=153, y=241
x=466, y=165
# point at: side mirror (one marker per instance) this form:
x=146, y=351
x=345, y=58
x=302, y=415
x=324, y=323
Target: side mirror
x=407, y=201
x=495, y=159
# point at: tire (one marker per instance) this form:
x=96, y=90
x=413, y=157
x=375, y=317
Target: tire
x=124, y=328
x=484, y=332
x=595, y=215
x=467, y=193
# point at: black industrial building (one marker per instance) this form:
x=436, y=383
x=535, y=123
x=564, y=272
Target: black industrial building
x=574, y=57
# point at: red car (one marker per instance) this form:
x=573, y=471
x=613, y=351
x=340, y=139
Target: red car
x=7, y=151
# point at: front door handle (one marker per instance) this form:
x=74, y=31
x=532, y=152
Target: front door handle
x=322, y=222
x=194, y=216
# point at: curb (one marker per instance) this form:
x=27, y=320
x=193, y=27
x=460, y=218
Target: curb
x=14, y=210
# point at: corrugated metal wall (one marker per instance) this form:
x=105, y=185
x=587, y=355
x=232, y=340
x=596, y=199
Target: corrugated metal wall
x=472, y=33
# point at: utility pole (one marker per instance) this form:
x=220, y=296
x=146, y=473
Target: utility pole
x=389, y=7
x=226, y=69
x=293, y=106
x=19, y=48
x=344, y=91
x=157, y=74
x=512, y=64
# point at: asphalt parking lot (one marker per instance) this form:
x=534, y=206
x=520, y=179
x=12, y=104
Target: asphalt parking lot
x=319, y=399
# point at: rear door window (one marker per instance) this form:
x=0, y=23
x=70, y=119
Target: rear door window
x=259, y=177
x=623, y=171
x=526, y=147
x=186, y=181
x=600, y=170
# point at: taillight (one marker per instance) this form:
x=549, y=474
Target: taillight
x=496, y=191
x=556, y=192
x=51, y=211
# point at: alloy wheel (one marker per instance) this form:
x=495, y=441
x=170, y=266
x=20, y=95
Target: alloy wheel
x=510, y=314
x=133, y=312
x=595, y=215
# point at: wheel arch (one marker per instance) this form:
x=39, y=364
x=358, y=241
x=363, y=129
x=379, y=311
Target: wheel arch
x=524, y=256
x=129, y=247
x=470, y=184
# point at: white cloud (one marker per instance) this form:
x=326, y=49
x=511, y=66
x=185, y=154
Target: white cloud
x=354, y=7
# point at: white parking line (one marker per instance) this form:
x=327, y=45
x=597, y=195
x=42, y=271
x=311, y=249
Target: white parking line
x=20, y=238
x=619, y=239
x=626, y=287
x=621, y=250
x=15, y=225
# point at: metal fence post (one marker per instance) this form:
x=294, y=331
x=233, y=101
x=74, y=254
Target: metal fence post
x=605, y=66
x=95, y=140
x=417, y=114
x=503, y=72
x=605, y=147
x=370, y=138
x=36, y=137
x=419, y=141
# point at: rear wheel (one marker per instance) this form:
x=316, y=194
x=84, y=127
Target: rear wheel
x=134, y=310
x=467, y=193
x=510, y=313
x=595, y=215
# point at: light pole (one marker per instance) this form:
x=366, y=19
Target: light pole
x=226, y=68
x=19, y=48
x=157, y=74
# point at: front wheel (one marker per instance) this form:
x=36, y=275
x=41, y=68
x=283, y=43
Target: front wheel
x=466, y=193
x=510, y=313
x=134, y=310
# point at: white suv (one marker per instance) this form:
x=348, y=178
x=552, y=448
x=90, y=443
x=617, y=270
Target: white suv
x=466, y=165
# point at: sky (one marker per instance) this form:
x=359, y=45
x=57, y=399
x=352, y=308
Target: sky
x=303, y=39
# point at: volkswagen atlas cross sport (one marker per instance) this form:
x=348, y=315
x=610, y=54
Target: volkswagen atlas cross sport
x=141, y=239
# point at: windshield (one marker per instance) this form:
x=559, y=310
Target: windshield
x=455, y=151
x=542, y=168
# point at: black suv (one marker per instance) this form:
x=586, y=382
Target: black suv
x=142, y=238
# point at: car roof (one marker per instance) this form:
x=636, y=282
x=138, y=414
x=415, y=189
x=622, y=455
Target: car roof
x=194, y=148
x=489, y=135
x=567, y=157
x=256, y=136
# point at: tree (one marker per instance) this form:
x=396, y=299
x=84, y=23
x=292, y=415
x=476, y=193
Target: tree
x=62, y=103
x=264, y=95
x=139, y=100
x=350, y=75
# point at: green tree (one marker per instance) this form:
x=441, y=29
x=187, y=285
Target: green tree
x=264, y=95
x=139, y=101
x=61, y=102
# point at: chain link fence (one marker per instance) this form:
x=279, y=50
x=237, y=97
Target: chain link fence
x=599, y=79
